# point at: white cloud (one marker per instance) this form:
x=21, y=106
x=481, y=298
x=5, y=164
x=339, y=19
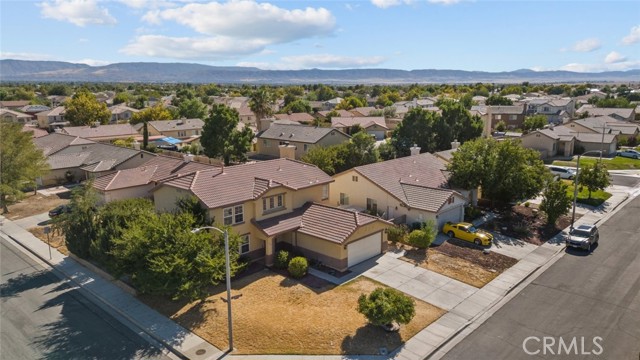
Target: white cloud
x=619, y=66
x=444, y=2
x=83, y=40
x=77, y=12
x=614, y=57
x=215, y=48
x=323, y=61
x=633, y=37
x=586, y=45
x=230, y=29
x=24, y=56
x=247, y=19
x=383, y=4
x=91, y=62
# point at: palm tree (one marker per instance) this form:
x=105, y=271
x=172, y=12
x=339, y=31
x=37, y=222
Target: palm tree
x=261, y=103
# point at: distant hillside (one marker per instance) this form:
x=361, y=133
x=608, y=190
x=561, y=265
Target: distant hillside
x=20, y=70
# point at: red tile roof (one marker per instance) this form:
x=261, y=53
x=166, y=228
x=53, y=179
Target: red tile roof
x=236, y=184
x=313, y=219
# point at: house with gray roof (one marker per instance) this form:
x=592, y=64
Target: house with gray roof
x=557, y=111
x=179, y=128
x=278, y=204
x=622, y=114
x=372, y=125
x=294, y=141
x=409, y=190
x=102, y=133
x=121, y=113
x=564, y=140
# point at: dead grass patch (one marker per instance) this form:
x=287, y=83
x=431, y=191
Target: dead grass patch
x=56, y=239
x=278, y=315
x=36, y=204
x=468, y=265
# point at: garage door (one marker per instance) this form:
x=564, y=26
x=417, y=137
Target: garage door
x=454, y=215
x=364, y=249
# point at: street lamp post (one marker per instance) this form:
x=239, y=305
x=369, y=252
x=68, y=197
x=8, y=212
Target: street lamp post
x=228, y=275
x=575, y=185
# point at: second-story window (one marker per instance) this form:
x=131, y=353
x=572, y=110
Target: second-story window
x=233, y=215
x=273, y=202
x=325, y=192
x=344, y=199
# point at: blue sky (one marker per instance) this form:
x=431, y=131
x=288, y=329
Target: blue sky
x=397, y=34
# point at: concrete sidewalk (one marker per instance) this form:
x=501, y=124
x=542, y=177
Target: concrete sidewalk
x=116, y=301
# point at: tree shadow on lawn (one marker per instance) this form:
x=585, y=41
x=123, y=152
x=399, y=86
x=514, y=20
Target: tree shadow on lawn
x=369, y=340
x=313, y=283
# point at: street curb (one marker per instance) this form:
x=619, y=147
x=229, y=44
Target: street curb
x=95, y=296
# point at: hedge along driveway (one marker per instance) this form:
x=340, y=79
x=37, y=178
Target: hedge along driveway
x=274, y=314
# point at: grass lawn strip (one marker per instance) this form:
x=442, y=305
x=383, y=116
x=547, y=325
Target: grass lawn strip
x=616, y=163
x=597, y=197
x=278, y=315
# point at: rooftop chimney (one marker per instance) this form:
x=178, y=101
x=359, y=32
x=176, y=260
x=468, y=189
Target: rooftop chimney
x=136, y=145
x=188, y=157
x=455, y=144
x=415, y=150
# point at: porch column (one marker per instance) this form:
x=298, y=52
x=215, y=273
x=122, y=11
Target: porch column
x=269, y=251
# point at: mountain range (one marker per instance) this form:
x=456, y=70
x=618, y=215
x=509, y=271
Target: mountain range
x=148, y=72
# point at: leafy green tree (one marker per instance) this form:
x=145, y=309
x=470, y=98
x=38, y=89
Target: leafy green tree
x=455, y=123
x=387, y=151
x=163, y=257
x=501, y=126
x=297, y=106
x=111, y=221
x=360, y=150
x=220, y=138
x=84, y=109
x=503, y=169
x=511, y=89
x=594, y=177
x=498, y=100
x=325, y=93
x=261, y=103
x=121, y=98
x=192, y=109
x=80, y=225
x=416, y=128
x=351, y=102
x=191, y=205
x=534, y=122
x=555, y=201
x=59, y=89
x=325, y=158
x=385, y=306
x=21, y=162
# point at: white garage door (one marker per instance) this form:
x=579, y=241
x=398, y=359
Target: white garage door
x=454, y=215
x=364, y=249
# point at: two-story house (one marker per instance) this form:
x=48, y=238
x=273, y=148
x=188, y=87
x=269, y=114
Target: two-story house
x=121, y=112
x=557, y=111
x=51, y=117
x=278, y=204
x=294, y=141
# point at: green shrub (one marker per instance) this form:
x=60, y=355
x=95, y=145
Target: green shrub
x=397, y=233
x=419, y=239
x=471, y=213
x=282, y=259
x=527, y=204
x=298, y=267
x=385, y=306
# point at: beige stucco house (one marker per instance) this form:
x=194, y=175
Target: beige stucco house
x=279, y=204
x=294, y=141
x=405, y=190
x=179, y=129
x=372, y=125
x=550, y=143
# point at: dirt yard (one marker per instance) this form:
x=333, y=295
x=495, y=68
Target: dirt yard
x=56, y=240
x=36, y=204
x=460, y=261
x=527, y=224
x=277, y=315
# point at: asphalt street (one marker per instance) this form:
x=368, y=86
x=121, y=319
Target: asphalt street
x=624, y=180
x=582, y=296
x=44, y=317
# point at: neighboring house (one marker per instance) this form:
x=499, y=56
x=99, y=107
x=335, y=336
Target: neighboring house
x=363, y=111
x=246, y=115
x=179, y=129
x=15, y=116
x=341, y=113
x=622, y=114
x=512, y=115
x=296, y=117
x=84, y=159
x=34, y=109
x=556, y=110
x=332, y=103
x=52, y=117
x=37, y=132
x=550, y=142
x=373, y=125
x=101, y=133
x=293, y=141
x=139, y=181
x=606, y=124
x=13, y=104
x=479, y=99
x=406, y=190
x=276, y=204
x=122, y=112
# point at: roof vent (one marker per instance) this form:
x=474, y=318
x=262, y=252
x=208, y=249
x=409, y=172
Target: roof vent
x=282, y=134
x=291, y=135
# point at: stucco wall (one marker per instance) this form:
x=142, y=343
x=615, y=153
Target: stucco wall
x=539, y=142
x=126, y=193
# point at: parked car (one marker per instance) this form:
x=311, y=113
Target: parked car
x=583, y=237
x=467, y=232
x=59, y=210
x=630, y=153
x=563, y=173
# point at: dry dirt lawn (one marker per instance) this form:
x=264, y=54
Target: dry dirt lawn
x=278, y=315
x=461, y=262
x=55, y=239
x=36, y=204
